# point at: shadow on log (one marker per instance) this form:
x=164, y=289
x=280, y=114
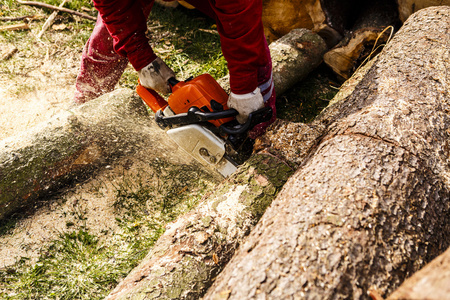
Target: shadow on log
x=370, y=205
x=431, y=282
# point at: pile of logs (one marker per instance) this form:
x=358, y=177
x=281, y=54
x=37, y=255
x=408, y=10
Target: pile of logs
x=352, y=29
x=364, y=200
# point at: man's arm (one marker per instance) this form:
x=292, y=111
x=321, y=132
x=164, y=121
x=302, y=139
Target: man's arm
x=127, y=24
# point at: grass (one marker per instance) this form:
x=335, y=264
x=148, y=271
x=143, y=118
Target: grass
x=81, y=264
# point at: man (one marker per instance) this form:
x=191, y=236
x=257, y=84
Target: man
x=119, y=37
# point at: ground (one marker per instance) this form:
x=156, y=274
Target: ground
x=80, y=242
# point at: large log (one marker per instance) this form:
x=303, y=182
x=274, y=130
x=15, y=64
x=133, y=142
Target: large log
x=431, y=282
x=370, y=206
x=72, y=144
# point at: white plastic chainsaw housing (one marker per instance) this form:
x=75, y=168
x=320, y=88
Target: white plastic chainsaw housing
x=204, y=146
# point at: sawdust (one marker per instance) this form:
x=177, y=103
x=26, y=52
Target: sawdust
x=32, y=91
x=36, y=83
x=89, y=204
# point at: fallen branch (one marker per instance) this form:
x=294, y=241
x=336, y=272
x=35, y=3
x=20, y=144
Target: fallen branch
x=70, y=11
x=20, y=26
x=8, y=54
x=29, y=17
x=50, y=20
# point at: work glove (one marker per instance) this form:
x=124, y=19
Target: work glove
x=245, y=104
x=155, y=76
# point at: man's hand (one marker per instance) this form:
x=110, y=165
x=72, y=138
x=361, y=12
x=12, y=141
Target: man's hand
x=246, y=104
x=155, y=76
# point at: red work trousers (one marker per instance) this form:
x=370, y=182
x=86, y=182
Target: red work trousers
x=101, y=67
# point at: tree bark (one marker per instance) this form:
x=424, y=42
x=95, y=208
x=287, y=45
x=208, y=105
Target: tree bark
x=294, y=56
x=195, y=248
x=431, y=282
x=369, y=206
x=408, y=7
x=74, y=143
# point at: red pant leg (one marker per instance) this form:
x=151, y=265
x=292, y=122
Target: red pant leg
x=101, y=67
x=245, y=48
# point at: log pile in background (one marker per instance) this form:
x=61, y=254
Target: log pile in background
x=369, y=206
x=350, y=28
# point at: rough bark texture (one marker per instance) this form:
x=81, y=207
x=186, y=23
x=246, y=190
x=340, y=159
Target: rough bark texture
x=294, y=56
x=72, y=144
x=408, y=7
x=431, y=282
x=195, y=248
x=370, y=206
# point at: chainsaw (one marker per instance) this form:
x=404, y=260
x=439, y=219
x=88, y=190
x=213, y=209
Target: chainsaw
x=197, y=118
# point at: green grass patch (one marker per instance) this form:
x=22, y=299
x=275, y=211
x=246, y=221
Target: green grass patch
x=83, y=265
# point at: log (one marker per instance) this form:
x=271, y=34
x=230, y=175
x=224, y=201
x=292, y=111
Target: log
x=368, y=30
x=408, y=7
x=369, y=206
x=431, y=282
x=71, y=145
x=195, y=248
x=280, y=17
x=294, y=56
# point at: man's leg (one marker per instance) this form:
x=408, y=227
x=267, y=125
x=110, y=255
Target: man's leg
x=101, y=67
x=265, y=84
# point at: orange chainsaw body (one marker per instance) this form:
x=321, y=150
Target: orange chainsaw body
x=198, y=92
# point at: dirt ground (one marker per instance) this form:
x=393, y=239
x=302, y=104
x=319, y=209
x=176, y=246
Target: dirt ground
x=37, y=83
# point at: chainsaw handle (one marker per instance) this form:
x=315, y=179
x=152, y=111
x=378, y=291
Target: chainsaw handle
x=151, y=98
x=193, y=116
x=172, y=81
x=259, y=116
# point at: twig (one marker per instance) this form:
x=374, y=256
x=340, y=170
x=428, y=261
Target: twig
x=31, y=17
x=14, y=27
x=33, y=3
x=9, y=54
x=49, y=21
x=209, y=31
